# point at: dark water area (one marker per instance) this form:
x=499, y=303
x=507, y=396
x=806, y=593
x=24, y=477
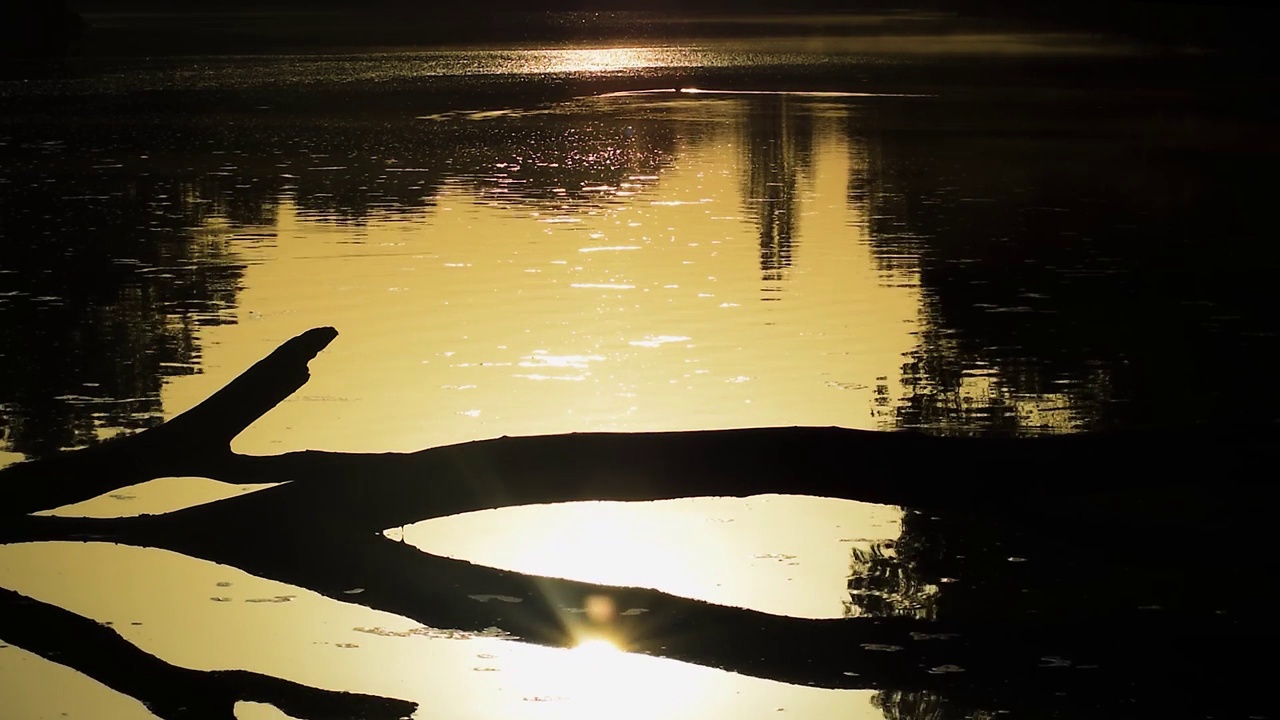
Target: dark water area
x=979, y=235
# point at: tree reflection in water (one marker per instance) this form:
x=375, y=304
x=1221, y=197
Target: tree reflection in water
x=778, y=146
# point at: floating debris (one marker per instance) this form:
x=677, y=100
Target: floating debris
x=423, y=631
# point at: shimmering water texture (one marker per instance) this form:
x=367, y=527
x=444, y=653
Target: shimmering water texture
x=540, y=241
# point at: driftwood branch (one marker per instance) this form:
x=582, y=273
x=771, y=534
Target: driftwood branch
x=169, y=691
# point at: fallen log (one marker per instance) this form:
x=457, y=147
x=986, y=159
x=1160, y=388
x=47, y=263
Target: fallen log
x=374, y=491
x=169, y=691
x=1074, y=666
x=321, y=528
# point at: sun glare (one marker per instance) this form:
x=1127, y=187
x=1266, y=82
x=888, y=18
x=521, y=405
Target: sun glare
x=596, y=647
x=596, y=678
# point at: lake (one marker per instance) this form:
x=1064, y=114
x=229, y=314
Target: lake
x=1011, y=234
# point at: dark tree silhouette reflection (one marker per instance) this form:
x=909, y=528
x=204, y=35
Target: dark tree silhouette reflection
x=120, y=243
x=1102, y=268
x=884, y=581
x=777, y=144
x=103, y=288
x=904, y=705
x=569, y=162
x=1094, y=270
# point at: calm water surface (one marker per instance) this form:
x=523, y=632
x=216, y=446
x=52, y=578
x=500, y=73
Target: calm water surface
x=543, y=241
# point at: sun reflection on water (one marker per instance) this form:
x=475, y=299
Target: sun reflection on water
x=596, y=678
x=788, y=555
x=597, y=60
x=596, y=647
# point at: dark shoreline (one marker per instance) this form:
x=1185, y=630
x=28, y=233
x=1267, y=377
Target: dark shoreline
x=337, y=27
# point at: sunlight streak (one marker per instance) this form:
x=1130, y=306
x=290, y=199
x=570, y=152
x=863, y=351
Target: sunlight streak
x=797, y=93
x=595, y=60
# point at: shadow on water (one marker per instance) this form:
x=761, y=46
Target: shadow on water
x=1079, y=269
